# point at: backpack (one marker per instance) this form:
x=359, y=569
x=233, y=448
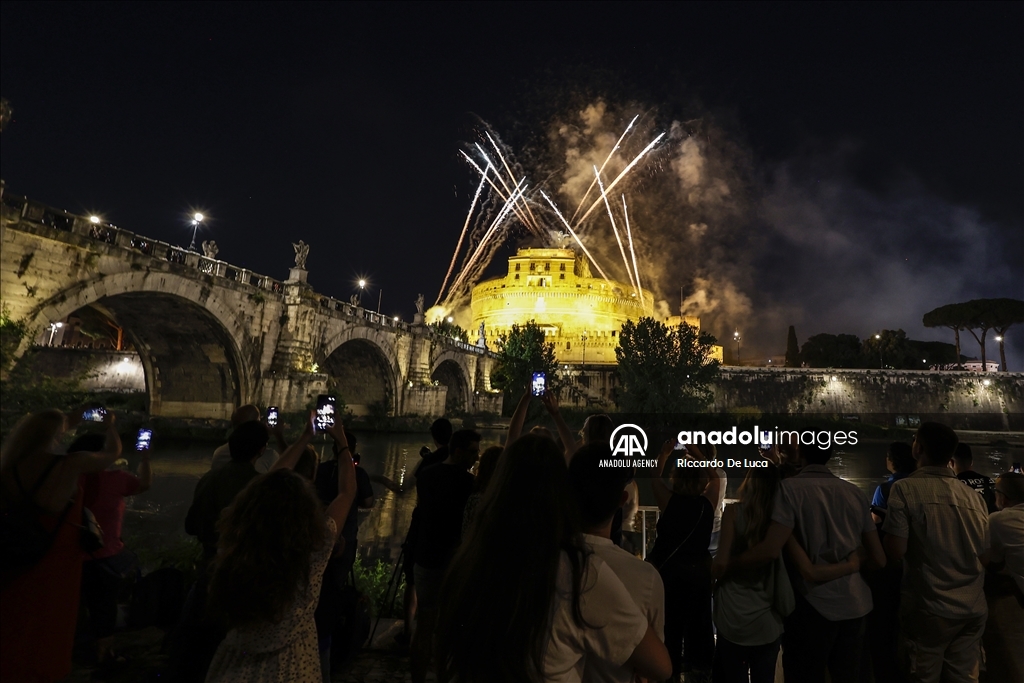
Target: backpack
x=23, y=538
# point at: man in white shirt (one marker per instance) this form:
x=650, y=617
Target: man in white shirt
x=250, y=413
x=600, y=491
x=939, y=529
x=1004, y=588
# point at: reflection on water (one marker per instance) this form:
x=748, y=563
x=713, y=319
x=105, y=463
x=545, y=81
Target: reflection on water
x=158, y=516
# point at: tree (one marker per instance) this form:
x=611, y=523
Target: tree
x=792, y=349
x=832, y=351
x=447, y=329
x=522, y=352
x=663, y=369
x=978, y=316
x=891, y=349
x=1002, y=314
x=950, y=316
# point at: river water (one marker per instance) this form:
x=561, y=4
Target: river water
x=157, y=517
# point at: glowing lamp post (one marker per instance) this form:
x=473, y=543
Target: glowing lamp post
x=53, y=330
x=94, y=220
x=584, y=338
x=197, y=218
x=362, y=288
x=881, y=363
x=736, y=338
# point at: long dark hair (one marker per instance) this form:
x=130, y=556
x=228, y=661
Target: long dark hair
x=496, y=598
x=266, y=538
x=758, y=495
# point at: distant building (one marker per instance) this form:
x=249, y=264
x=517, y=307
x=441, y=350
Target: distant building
x=975, y=366
x=579, y=313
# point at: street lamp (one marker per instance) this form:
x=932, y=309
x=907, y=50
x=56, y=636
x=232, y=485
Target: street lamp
x=362, y=288
x=736, y=338
x=94, y=219
x=53, y=329
x=881, y=364
x=197, y=218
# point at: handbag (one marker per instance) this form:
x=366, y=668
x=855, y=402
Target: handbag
x=672, y=554
x=23, y=538
x=90, y=534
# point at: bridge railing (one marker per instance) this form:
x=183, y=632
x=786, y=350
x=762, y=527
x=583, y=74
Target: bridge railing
x=58, y=219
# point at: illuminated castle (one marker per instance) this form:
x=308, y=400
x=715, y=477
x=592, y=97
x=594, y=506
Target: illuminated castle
x=580, y=314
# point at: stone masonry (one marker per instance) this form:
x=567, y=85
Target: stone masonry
x=211, y=335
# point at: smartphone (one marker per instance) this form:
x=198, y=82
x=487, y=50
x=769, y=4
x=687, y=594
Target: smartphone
x=538, y=383
x=94, y=414
x=144, y=439
x=272, y=416
x=325, y=408
x=1016, y=468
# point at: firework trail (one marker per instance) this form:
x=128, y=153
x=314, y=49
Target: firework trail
x=574, y=235
x=504, y=195
x=607, y=159
x=621, y=175
x=493, y=216
x=467, y=268
x=622, y=250
x=629, y=236
x=533, y=219
x=465, y=229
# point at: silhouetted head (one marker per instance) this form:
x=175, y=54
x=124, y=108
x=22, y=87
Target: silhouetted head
x=600, y=491
x=1009, y=489
x=248, y=440
x=597, y=429
x=901, y=455
x=441, y=431
x=243, y=414
x=934, y=444
x=464, y=447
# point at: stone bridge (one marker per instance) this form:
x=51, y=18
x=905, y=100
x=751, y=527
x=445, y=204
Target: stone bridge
x=211, y=335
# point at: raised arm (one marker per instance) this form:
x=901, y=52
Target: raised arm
x=291, y=454
x=277, y=433
x=340, y=507
x=569, y=443
x=662, y=493
x=145, y=474
x=515, y=426
x=820, y=573
x=100, y=460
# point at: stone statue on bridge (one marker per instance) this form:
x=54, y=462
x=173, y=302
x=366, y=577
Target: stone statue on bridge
x=420, y=303
x=301, y=253
x=481, y=338
x=210, y=249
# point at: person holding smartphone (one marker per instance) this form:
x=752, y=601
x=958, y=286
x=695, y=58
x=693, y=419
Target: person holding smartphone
x=39, y=599
x=105, y=569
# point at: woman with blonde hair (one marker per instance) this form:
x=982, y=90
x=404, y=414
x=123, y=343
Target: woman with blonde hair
x=275, y=541
x=41, y=504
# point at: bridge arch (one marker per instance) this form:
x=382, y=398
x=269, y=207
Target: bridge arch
x=454, y=371
x=362, y=364
x=192, y=343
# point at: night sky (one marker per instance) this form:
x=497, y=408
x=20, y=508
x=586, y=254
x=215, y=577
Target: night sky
x=874, y=151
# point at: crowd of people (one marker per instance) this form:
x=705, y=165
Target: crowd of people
x=519, y=564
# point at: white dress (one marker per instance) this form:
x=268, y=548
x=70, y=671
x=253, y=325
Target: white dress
x=282, y=652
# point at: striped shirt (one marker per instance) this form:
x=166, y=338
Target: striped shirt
x=946, y=527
